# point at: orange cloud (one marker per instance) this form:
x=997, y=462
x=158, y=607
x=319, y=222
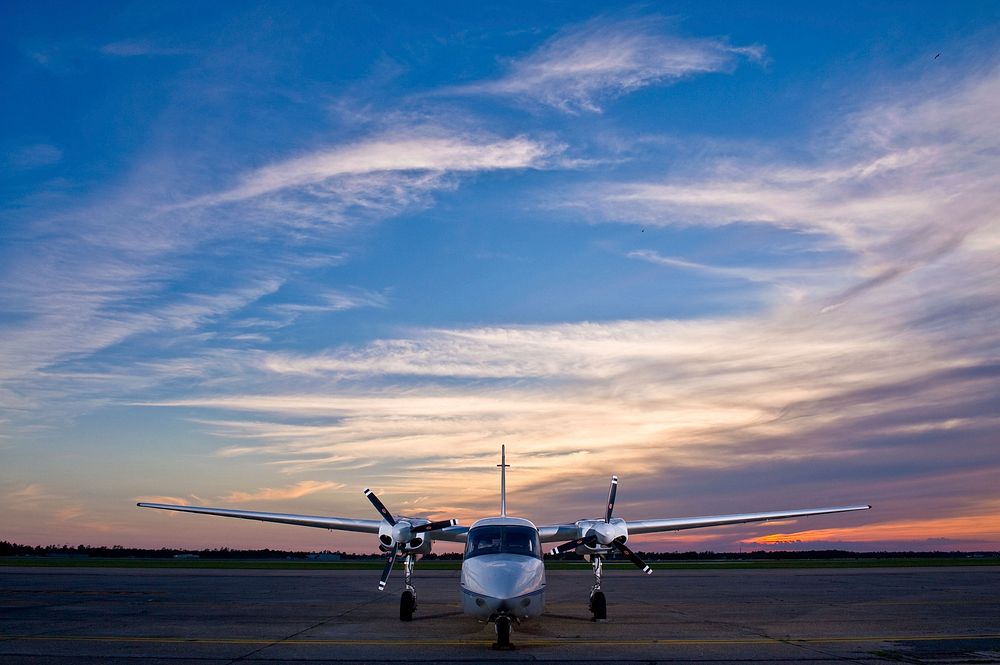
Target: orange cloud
x=980, y=527
x=295, y=491
x=159, y=498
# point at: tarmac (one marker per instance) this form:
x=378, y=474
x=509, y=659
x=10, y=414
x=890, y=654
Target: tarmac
x=112, y=616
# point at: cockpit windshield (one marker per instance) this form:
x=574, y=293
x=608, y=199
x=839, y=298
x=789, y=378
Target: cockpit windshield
x=498, y=539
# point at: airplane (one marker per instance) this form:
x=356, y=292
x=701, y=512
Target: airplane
x=503, y=576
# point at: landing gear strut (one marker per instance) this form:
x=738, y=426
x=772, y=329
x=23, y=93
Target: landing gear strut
x=598, y=603
x=408, y=601
x=503, y=627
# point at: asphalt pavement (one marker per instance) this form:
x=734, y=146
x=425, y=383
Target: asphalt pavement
x=113, y=616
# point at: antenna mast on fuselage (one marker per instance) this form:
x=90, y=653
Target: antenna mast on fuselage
x=503, y=480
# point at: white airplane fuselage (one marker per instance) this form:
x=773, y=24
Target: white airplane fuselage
x=502, y=572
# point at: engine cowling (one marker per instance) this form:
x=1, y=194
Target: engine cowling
x=604, y=532
x=401, y=535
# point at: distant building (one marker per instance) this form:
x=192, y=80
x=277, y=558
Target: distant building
x=324, y=556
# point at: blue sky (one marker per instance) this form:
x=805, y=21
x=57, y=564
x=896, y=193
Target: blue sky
x=266, y=255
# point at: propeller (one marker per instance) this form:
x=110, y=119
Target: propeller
x=433, y=526
x=611, y=499
x=589, y=541
x=597, y=534
x=400, y=531
x=379, y=506
x=619, y=544
x=389, y=563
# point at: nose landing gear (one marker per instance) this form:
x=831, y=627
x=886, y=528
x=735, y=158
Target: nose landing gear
x=503, y=625
x=408, y=601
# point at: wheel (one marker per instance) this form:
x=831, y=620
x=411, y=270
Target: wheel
x=503, y=633
x=407, y=603
x=599, y=606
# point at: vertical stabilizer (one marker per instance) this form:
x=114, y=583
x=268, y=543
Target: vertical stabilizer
x=503, y=480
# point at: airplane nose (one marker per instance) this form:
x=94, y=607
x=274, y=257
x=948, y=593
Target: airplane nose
x=504, y=579
x=502, y=582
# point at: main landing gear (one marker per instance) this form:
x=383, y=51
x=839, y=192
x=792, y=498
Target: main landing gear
x=408, y=601
x=598, y=603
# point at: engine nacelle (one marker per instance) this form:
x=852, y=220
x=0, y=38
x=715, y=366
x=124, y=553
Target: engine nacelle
x=616, y=529
x=418, y=544
x=400, y=534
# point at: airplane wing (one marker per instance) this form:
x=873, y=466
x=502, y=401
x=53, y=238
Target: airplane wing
x=455, y=534
x=339, y=523
x=452, y=534
x=679, y=523
x=553, y=532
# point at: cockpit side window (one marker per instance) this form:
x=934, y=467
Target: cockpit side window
x=503, y=540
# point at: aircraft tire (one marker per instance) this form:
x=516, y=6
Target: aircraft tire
x=407, y=604
x=503, y=633
x=599, y=606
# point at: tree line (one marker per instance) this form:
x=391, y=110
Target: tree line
x=120, y=551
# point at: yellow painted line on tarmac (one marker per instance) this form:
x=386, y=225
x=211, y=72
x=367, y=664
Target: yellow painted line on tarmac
x=565, y=641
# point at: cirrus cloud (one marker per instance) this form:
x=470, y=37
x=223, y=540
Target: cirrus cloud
x=296, y=491
x=583, y=66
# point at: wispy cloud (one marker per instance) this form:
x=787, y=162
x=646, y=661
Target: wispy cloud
x=748, y=273
x=584, y=65
x=29, y=493
x=79, y=294
x=336, y=171
x=296, y=491
x=175, y=287
x=332, y=301
x=695, y=392
x=886, y=359
x=77, y=317
x=162, y=498
x=905, y=185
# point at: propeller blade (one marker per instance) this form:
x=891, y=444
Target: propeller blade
x=388, y=568
x=631, y=556
x=573, y=544
x=433, y=526
x=611, y=498
x=379, y=506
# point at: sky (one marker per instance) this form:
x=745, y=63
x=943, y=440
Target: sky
x=746, y=256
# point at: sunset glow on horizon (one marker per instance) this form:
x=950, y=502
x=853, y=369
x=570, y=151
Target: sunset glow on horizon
x=263, y=256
